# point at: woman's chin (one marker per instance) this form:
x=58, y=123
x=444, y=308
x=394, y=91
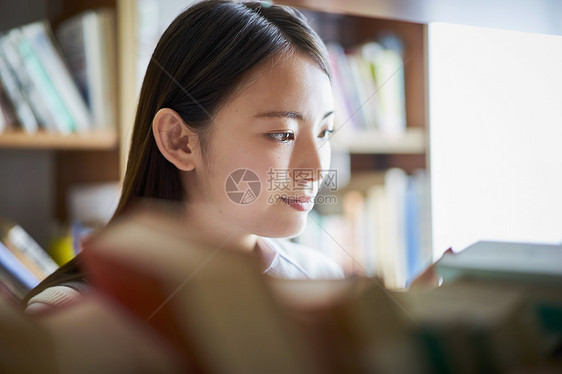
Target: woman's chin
x=286, y=229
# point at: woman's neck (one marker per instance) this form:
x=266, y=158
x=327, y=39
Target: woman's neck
x=212, y=232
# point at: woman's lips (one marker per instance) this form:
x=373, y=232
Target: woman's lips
x=300, y=203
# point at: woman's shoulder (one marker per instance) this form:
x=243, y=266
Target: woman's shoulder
x=295, y=260
x=56, y=295
x=63, y=286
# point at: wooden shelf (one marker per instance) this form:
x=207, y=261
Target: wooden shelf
x=526, y=16
x=98, y=140
x=412, y=141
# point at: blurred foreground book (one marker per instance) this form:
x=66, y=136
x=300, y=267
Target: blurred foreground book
x=214, y=312
x=211, y=304
x=223, y=316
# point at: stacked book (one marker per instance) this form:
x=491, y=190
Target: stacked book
x=23, y=263
x=368, y=82
x=63, y=84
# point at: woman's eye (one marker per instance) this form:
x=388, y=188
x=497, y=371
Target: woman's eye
x=325, y=133
x=282, y=137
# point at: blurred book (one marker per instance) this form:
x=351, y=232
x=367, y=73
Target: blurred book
x=210, y=304
x=349, y=324
x=387, y=64
x=39, y=36
x=87, y=41
x=92, y=335
x=217, y=310
x=477, y=327
x=14, y=274
x=36, y=86
x=504, y=260
x=26, y=347
x=37, y=81
x=26, y=249
x=15, y=96
x=7, y=112
x=369, y=86
x=23, y=263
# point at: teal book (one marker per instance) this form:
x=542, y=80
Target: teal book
x=504, y=260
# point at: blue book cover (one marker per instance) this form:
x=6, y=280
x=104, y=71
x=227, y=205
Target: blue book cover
x=15, y=268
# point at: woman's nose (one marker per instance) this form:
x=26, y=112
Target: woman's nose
x=309, y=158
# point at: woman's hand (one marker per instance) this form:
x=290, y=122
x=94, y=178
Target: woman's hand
x=428, y=278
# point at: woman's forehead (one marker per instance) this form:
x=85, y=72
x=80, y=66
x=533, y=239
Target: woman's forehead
x=283, y=80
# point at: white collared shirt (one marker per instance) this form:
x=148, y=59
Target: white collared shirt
x=295, y=261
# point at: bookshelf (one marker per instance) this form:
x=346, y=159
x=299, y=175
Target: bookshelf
x=96, y=157
x=100, y=141
x=91, y=156
x=412, y=141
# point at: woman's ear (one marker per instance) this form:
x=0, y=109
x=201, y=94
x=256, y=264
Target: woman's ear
x=174, y=139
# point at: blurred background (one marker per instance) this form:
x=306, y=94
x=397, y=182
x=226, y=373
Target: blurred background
x=448, y=127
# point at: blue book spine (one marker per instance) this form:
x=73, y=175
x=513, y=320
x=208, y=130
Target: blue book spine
x=13, y=266
x=412, y=231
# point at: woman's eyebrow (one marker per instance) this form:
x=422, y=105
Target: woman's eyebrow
x=288, y=114
x=283, y=114
x=328, y=114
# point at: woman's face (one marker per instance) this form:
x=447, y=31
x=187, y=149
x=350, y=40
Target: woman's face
x=274, y=131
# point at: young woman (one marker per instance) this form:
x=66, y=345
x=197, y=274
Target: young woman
x=236, y=96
